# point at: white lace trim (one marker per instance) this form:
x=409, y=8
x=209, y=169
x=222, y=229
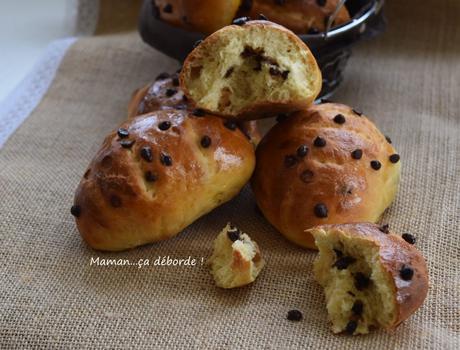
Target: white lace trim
x=19, y=104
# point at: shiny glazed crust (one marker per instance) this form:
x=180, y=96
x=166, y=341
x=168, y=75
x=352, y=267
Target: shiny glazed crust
x=288, y=188
x=300, y=16
x=128, y=197
x=394, y=253
x=204, y=16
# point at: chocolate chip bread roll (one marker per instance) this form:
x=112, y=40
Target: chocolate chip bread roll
x=371, y=277
x=205, y=16
x=328, y=164
x=300, y=16
x=251, y=70
x=156, y=175
x=165, y=93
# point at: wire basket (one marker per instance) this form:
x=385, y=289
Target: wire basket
x=331, y=48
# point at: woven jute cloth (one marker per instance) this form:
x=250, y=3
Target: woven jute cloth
x=51, y=296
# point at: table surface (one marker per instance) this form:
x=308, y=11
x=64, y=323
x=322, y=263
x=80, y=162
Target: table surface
x=26, y=29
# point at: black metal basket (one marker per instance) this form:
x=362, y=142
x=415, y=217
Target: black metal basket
x=331, y=48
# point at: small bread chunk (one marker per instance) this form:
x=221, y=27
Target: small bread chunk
x=370, y=278
x=236, y=260
x=250, y=71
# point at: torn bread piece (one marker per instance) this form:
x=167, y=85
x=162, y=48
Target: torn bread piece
x=371, y=277
x=253, y=70
x=236, y=260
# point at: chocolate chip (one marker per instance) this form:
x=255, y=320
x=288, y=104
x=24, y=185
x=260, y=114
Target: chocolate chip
x=343, y=262
x=263, y=17
x=319, y=142
x=198, y=112
x=306, y=176
x=320, y=210
x=294, y=315
x=127, y=143
x=115, y=201
x=280, y=2
x=233, y=234
x=351, y=327
x=164, y=125
x=321, y=2
x=168, y=8
x=162, y=76
x=375, y=164
x=290, y=161
x=175, y=81
x=406, y=273
x=313, y=31
x=357, y=154
x=198, y=42
x=229, y=72
x=388, y=139
x=385, y=228
x=205, y=141
x=394, y=158
x=230, y=124
x=246, y=5
x=281, y=117
x=240, y=21
x=122, y=133
x=408, y=238
x=274, y=71
x=165, y=159
x=146, y=153
x=338, y=253
x=150, y=177
x=75, y=210
x=357, y=112
x=285, y=74
x=357, y=308
x=171, y=92
x=339, y=119
x=302, y=151
x=351, y=293
x=361, y=281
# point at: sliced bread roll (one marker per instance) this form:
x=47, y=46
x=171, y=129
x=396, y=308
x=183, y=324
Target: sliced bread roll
x=371, y=277
x=249, y=71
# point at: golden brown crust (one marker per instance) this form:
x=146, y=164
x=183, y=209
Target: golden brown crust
x=255, y=110
x=204, y=16
x=128, y=198
x=154, y=97
x=395, y=254
x=300, y=16
x=288, y=187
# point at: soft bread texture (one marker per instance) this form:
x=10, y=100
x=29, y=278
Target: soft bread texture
x=150, y=184
x=298, y=184
x=251, y=71
x=369, y=290
x=205, y=16
x=165, y=93
x=300, y=16
x=236, y=260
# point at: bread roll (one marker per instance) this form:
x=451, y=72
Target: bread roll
x=156, y=175
x=165, y=93
x=371, y=277
x=205, y=16
x=249, y=71
x=236, y=260
x=328, y=164
x=300, y=16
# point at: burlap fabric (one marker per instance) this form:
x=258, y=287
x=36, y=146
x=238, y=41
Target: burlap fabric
x=50, y=296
